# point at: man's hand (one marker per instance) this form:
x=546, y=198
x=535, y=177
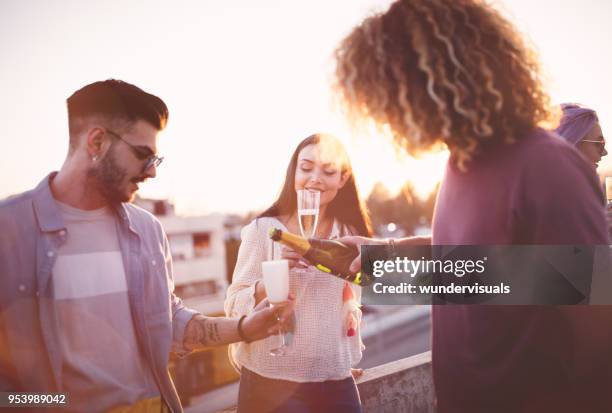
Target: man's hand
x=265, y=320
x=202, y=331
x=358, y=242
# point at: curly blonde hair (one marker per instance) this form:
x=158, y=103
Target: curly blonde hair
x=437, y=72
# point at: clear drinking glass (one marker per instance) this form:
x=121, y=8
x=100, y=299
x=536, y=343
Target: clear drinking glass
x=276, y=280
x=308, y=203
x=609, y=189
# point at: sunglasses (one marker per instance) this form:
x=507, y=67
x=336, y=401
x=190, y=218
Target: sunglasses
x=139, y=152
x=602, y=143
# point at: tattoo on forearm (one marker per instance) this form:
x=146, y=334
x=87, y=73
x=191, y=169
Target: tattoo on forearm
x=201, y=332
x=212, y=333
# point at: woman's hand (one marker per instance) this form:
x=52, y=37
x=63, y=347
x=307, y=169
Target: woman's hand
x=295, y=259
x=260, y=291
x=357, y=373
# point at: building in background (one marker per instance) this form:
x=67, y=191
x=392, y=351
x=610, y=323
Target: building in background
x=197, y=244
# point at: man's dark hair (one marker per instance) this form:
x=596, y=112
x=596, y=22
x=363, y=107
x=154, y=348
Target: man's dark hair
x=115, y=100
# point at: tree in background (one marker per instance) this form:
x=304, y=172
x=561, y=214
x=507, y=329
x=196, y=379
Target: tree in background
x=406, y=210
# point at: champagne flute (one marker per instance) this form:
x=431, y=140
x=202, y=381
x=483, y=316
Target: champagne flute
x=308, y=203
x=609, y=189
x=276, y=280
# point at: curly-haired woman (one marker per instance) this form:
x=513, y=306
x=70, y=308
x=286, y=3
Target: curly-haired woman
x=456, y=74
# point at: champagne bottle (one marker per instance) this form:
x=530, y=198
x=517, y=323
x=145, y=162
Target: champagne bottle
x=332, y=257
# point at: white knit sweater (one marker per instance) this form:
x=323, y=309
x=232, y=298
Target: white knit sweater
x=320, y=349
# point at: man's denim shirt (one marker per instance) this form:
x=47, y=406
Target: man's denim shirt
x=31, y=231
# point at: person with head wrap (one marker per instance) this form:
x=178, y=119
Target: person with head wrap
x=580, y=127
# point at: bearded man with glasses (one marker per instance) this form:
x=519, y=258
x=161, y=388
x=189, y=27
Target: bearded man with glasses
x=87, y=304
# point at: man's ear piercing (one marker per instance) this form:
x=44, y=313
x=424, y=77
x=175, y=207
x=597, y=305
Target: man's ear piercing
x=94, y=158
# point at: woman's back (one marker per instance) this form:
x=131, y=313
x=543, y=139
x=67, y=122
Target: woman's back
x=536, y=191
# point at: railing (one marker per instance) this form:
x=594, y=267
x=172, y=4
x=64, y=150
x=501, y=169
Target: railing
x=402, y=386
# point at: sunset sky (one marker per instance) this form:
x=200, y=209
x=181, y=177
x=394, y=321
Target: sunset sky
x=245, y=82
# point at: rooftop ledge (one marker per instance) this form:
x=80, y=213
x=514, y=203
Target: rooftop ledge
x=405, y=385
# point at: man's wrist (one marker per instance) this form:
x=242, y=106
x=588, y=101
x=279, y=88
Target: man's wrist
x=241, y=332
x=192, y=333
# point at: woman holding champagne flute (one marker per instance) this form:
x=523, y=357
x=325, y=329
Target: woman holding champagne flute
x=313, y=372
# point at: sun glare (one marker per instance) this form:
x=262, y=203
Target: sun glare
x=376, y=159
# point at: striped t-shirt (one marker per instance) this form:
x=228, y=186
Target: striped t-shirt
x=102, y=365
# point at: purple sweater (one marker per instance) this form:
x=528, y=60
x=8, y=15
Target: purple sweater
x=538, y=190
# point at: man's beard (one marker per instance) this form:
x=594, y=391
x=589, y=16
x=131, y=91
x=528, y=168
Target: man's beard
x=110, y=179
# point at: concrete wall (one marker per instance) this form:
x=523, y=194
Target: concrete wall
x=401, y=386
x=404, y=385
